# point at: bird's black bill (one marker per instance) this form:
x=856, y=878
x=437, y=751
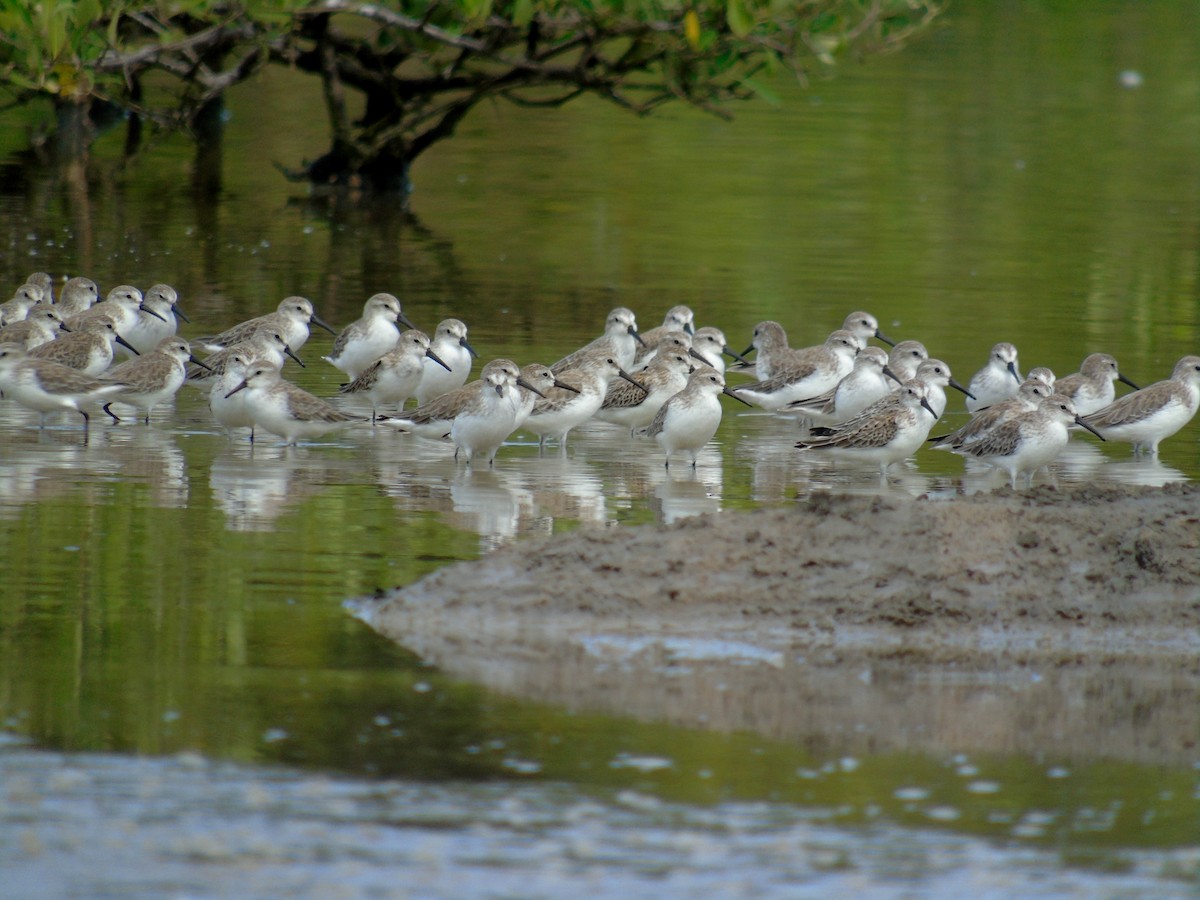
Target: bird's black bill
x=958, y=387
x=529, y=387
x=735, y=396
x=1083, y=424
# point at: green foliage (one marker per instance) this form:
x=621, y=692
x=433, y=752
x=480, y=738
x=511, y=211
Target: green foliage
x=638, y=54
x=46, y=46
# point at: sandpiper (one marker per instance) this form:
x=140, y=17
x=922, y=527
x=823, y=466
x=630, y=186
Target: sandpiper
x=904, y=359
x=394, y=377
x=366, y=339
x=24, y=298
x=477, y=417
x=678, y=318
x=1031, y=392
x=801, y=375
x=282, y=408
x=1043, y=374
x=43, y=281
x=769, y=342
x=870, y=380
x=151, y=378
x=539, y=379
x=997, y=380
x=88, y=348
x=560, y=410
x=620, y=341
x=1091, y=388
x=710, y=347
x=887, y=431
x=121, y=305
x=864, y=326
x=634, y=406
x=230, y=410
x=77, y=294
x=46, y=386
x=40, y=326
x=689, y=419
x=156, y=319
x=937, y=377
x=1147, y=417
x=668, y=342
x=292, y=319
x=1027, y=440
x=265, y=345
x=450, y=345
x=488, y=417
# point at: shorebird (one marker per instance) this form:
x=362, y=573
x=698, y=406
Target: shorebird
x=710, y=347
x=477, y=417
x=1091, y=388
x=268, y=346
x=801, y=375
x=634, y=406
x=689, y=419
x=1031, y=392
x=1027, y=440
x=450, y=345
x=620, y=341
x=88, y=347
x=483, y=423
x=24, y=298
x=1044, y=375
x=539, y=379
x=45, y=386
x=292, y=319
x=678, y=318
x=868, y=381
x=45, y=283
x=282, y=408
x=40, y=326
x=121, y=305
x=560, y=410
x=997, y=380
x=904, y=359
x=937, y=377
x=77, y=294
x=864, y=326
x=668, y=342
x=151, y=378
x=1149, y=416
x=769, y=342
x=156, y=319
x=366, y=339
x=394, y=377
x=885, y=432
x=230, y=410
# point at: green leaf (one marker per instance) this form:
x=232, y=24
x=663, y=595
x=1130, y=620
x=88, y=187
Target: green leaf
x=522, y=12
x=761, y=90
x=477, y=9
x=739, y=17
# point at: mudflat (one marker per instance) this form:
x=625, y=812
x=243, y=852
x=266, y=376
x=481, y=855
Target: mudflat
x=1051, y=621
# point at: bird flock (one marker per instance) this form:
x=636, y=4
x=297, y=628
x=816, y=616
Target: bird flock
x=851, y=399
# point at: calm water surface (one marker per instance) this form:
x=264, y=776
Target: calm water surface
x=171, y=592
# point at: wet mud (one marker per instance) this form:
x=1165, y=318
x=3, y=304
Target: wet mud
x=1064, y=622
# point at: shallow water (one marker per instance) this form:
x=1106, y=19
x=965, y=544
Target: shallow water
x=170, y=591
x=267, y=831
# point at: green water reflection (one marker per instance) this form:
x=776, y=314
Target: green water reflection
x=995, y=182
